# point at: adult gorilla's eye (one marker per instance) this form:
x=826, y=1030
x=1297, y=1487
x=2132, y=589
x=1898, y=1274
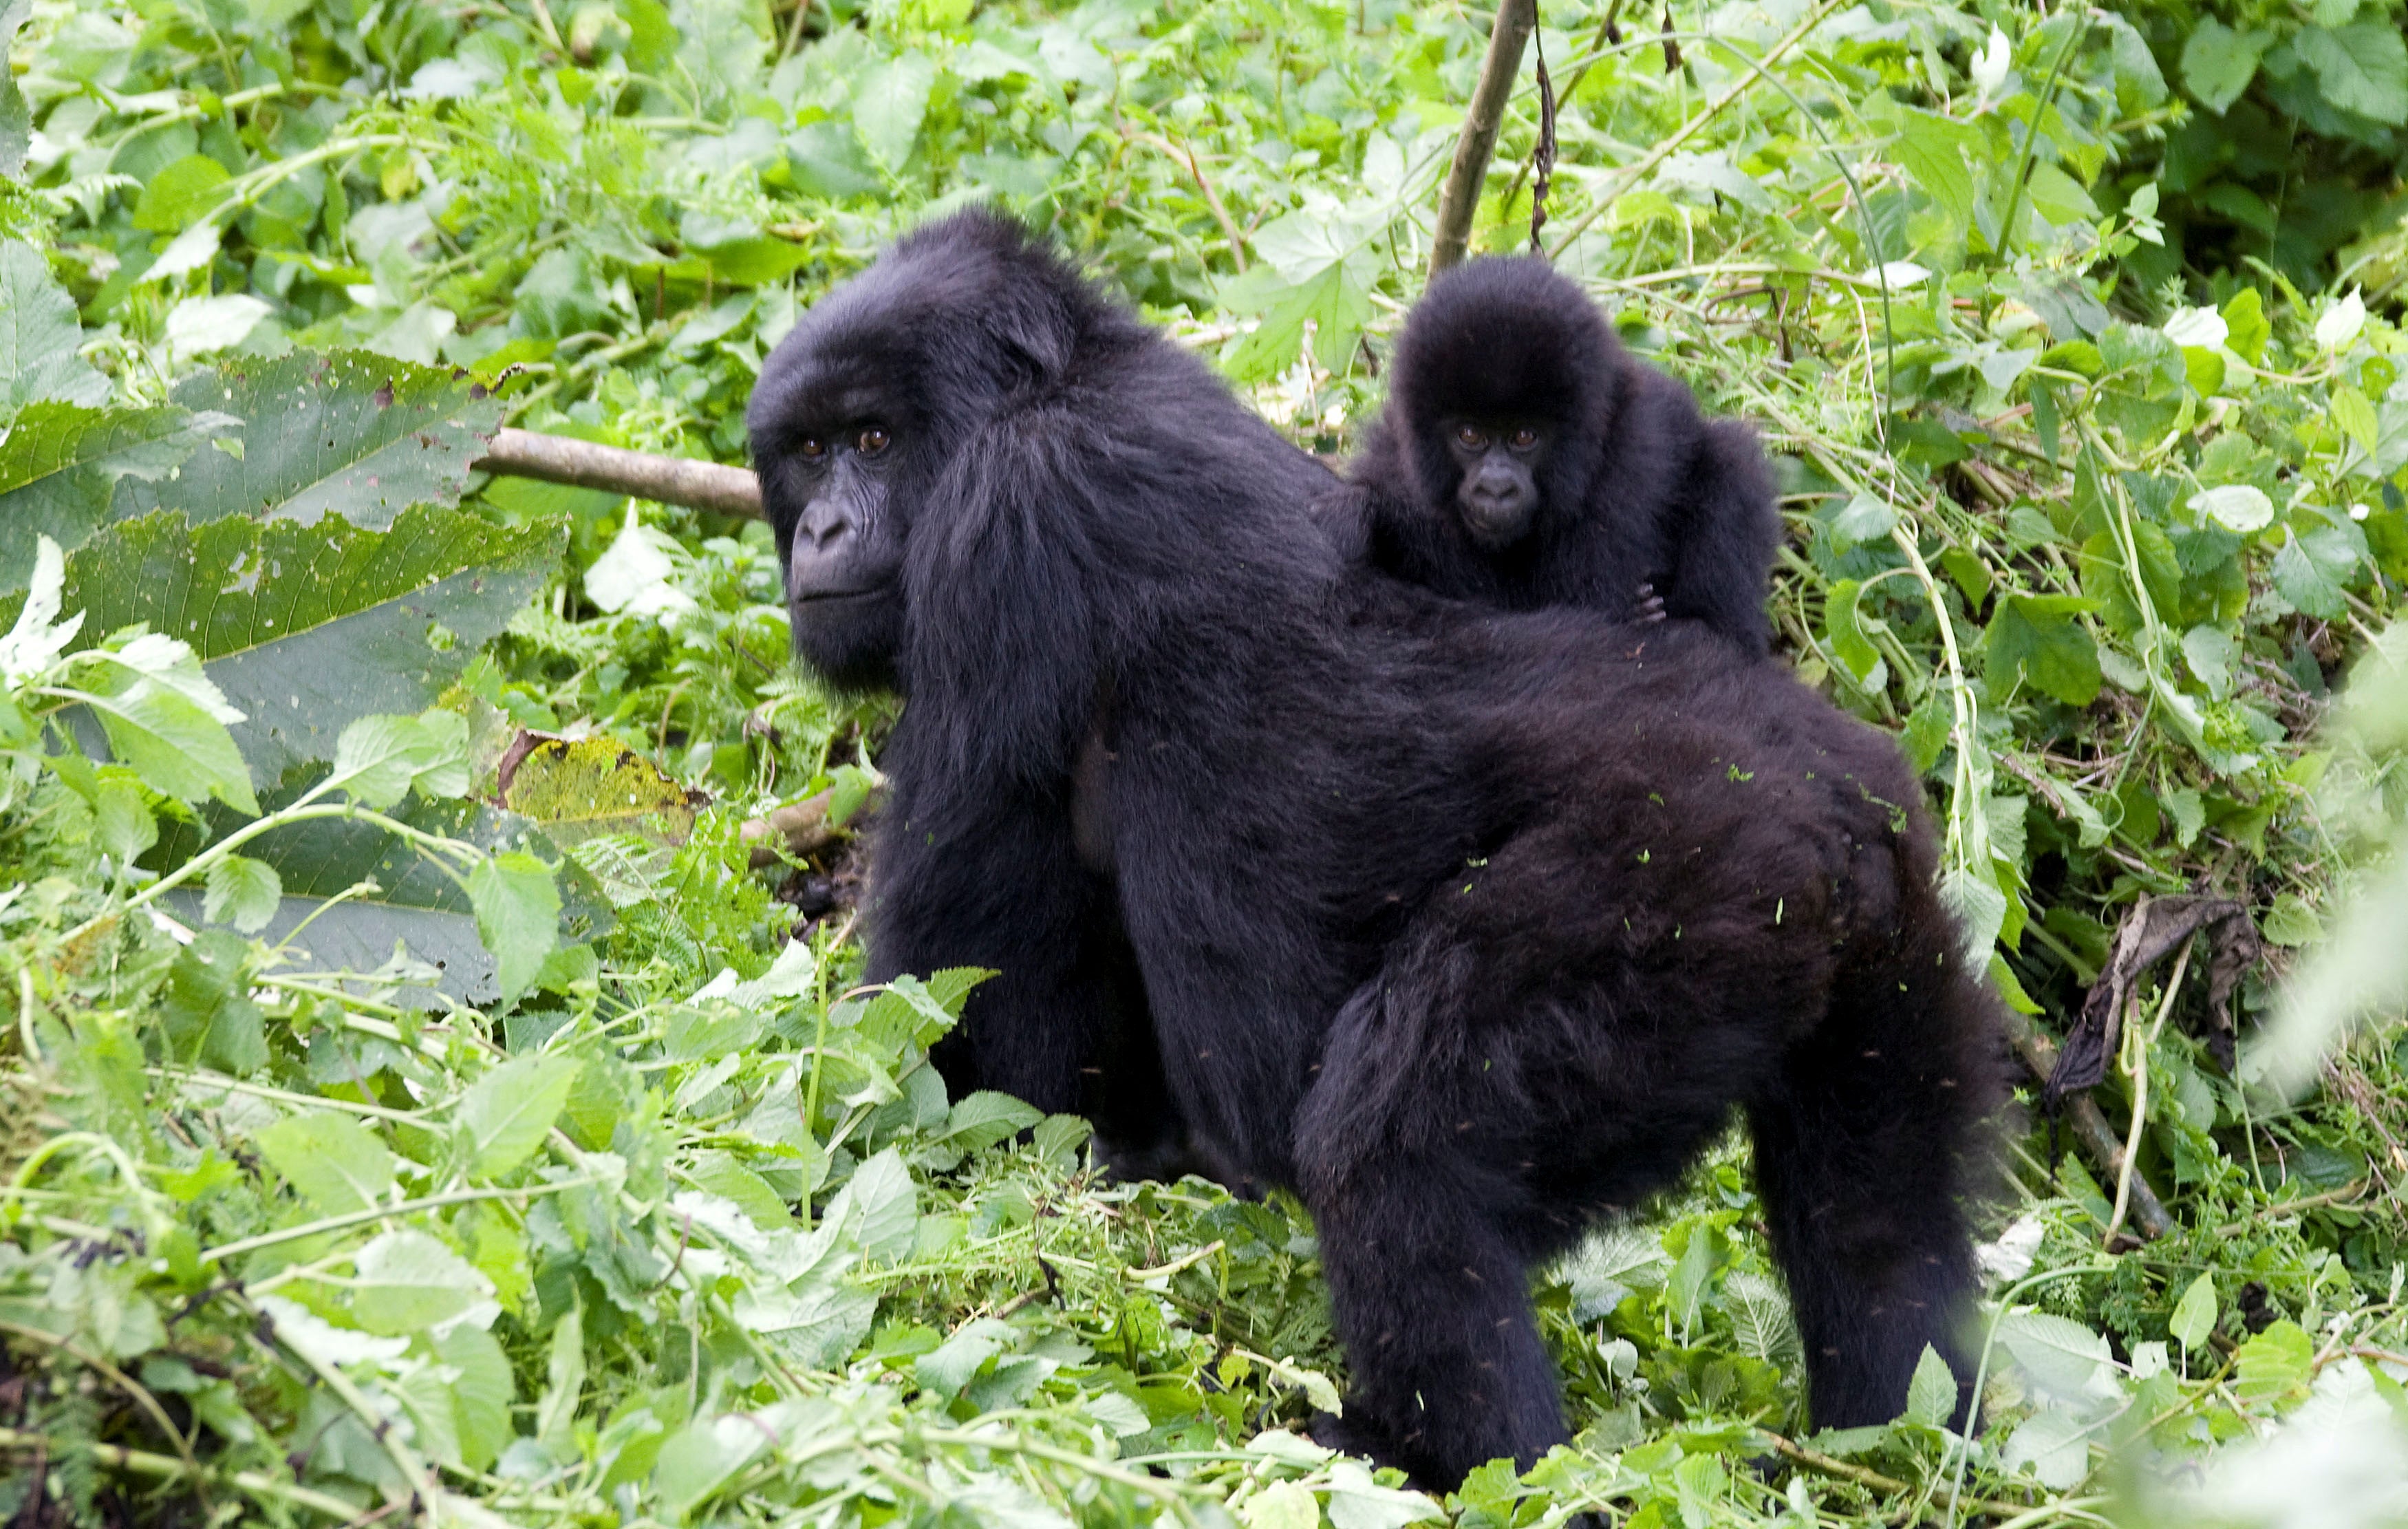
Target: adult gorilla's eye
x=1524, y=439
x=813, y=448
x=1471, y=438
x=873, y=440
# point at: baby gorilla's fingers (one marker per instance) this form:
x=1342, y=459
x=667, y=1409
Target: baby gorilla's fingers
x=1651, y=605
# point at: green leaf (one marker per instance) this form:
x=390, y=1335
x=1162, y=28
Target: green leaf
x=888, y=105
x=2353, y=416
x=722, y=1175
x=2056, y=1444
x=60, y=465
x=2062, y=1358
x=243, y=893
x=207, y=1011
x=987, y=1118
x=2194, y=1318
x=555, y=1412
x=378, y=758
x=16, y=118
x=2363, y=68
x=332, y=1158
x=883, y=1198
x=307, y=630
x=700, y=1458
x=2035, y=638
x=2218, y=63
x=39, y=336
x=1844, y=625
x=360, y=436
x=1358, y=1502
x=405, y=1282
x=2239, y=507
x=2246, y=326
x=481, y=1396
x=506, y=1115
x=1933, y=150
x=518, y=916
x=2275, y=1366
x=167, y=722
x=2291, y=922
x=1281, y=1505
x=180, y=194
x=1931, y=1395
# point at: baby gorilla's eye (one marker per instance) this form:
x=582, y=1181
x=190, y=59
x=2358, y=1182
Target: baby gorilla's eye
x=1525, y=438
x=873, y=440
x=1472, y=437
x=813, y=448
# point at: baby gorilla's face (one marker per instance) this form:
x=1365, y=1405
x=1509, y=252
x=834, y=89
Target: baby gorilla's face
x=1497, y=489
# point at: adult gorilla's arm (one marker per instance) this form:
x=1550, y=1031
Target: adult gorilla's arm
x=977, y=862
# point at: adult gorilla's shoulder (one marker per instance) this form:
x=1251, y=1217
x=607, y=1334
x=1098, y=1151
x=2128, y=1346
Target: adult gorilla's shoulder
x=1472, y=927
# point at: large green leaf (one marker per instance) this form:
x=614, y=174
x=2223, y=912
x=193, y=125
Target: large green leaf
x=2363, y=68
x=60, y=464
x=39, y=335
x=415, y=903
x=363, y=436
x=309, y=628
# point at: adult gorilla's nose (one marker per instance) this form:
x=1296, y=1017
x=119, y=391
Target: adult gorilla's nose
x=824, y=525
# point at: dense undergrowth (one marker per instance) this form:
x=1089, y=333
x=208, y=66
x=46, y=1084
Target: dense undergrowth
x=2077, y=334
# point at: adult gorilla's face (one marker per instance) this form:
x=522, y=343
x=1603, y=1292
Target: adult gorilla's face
x=839, y=454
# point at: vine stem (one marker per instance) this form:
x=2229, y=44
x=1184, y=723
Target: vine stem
x=168, y=1469
x=2136, y=1045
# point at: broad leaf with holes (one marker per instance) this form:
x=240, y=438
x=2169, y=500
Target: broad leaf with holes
x=307, y=628
x=359, y=436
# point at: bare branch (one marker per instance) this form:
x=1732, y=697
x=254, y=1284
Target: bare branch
x=1477, y=143
x=643, y=475
x=802, y=826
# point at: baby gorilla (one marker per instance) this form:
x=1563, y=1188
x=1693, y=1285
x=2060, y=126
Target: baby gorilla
x=1526, y=461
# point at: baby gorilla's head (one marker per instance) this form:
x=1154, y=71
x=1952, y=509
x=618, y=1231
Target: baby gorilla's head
x=1503, y=383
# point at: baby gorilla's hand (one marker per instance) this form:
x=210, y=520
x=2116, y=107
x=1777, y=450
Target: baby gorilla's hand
x=1651, y=606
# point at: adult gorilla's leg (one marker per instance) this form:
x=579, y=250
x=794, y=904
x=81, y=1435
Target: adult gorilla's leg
x=1429, y=1277
x=1864, y=1151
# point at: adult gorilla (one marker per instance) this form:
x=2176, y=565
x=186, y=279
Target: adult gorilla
x=1471, y=928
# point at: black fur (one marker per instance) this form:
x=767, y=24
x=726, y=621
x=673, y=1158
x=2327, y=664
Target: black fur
x=1635, y=488
x=1472, y=927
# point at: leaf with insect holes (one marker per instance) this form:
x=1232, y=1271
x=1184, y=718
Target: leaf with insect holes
x=60, y=463
x=306, y=629
x=345, y=433
x=504, y=1118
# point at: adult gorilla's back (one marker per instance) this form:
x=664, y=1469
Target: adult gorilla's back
x=1471, y=928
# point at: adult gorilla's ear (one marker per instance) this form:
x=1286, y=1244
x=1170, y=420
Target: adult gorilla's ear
x=1032, y=330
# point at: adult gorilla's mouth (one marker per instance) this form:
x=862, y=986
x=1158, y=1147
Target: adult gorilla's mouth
x=829, y=596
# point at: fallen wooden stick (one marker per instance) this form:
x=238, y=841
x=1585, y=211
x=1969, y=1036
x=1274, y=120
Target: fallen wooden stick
x=803, y=825
x=2090, y=1128
x=642, y=475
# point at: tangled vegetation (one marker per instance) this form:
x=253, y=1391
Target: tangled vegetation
x=611, y=1199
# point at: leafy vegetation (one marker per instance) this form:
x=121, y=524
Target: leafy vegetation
x=609, y=1198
